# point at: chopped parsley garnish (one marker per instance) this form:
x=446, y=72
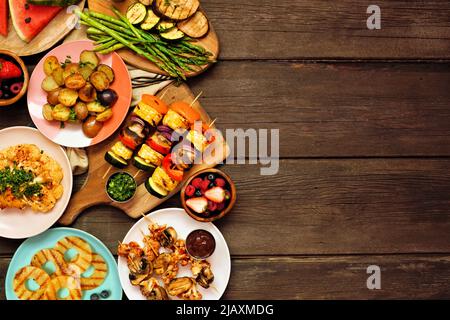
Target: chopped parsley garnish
x=20, y=182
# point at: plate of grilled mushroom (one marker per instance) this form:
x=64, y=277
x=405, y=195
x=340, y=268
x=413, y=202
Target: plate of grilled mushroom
x=167, y=255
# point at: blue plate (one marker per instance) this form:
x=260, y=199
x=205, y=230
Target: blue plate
x=48, y=239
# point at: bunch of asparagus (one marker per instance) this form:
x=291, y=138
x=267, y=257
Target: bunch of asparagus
x=173, y=57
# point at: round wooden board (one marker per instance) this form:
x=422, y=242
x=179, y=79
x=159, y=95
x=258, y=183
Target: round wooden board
x=210, y=42
x=47, y=38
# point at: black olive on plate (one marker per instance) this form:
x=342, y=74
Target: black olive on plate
x=107, y=97
x=198, y=193
x=211, y=177
x=95, y=296
x=105, y=294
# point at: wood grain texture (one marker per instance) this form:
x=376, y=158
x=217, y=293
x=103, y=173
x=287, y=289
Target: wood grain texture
x=334, y=110
x=314, y=207
x=56, y=30
x=322, y=29
x=333, y=277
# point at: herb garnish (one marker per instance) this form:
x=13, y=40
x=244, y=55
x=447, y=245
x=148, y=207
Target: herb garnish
x=20, y=182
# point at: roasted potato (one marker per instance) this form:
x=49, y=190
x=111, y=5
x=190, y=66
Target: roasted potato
x=49, y=84
x=57, y=74
x=50, y=64
x=61, y=113
x=52, y=97
x=86, y=71
x=68, y=97
x=89, y=58
x=105, y=115
x=75, y=81
x=87, y=93
x=81, y=110
x=106, y=70
x=70, y=69
x=99, y=80
x=47, y=111
x=95, y=107
x=91, y=127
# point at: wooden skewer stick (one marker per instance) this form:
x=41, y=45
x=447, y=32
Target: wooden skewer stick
x=137, y=173
x=165, y=90
x=106, y=173
x=196, y=98
x=212, y=123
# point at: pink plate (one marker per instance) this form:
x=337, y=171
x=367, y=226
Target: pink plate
x=72, y=134
x=19, y=224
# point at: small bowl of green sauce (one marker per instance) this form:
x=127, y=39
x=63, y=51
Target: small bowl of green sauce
x=121, y=187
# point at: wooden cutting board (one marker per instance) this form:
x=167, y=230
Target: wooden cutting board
x=210, y=42
x=93, y=192
x=57, y=29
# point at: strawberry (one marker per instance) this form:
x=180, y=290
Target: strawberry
x=205, y=185
x=190, y=190
x=199, y=204
x=197, y=182
x=9, y=70
x=212, y=206
x=216, y=194
x=220, y=206
x=220, y=182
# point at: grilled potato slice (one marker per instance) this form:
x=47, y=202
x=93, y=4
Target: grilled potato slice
x=96, y=107
x=68, y=97
x=50, y=64
x=57, y=74
x=107, y=70
x=89, y=58
x=49, y=84
x=75, y=81
x=61, y=113
x=47, y=112
x=99, y=80
x=88, y=93
x=105, y=115
x=70, y=69
x=52, y=97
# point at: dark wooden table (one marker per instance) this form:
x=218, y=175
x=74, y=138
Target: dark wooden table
x=364, y=119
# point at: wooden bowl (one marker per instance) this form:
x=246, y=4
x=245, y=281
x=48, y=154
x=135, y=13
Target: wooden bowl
x=227, y=209
x=26, y=78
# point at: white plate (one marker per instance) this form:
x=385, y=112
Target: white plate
x=183, y=224
x=19, y=224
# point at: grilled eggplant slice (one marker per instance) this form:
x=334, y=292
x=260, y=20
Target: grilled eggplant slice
x=196, y=26
x=177, y=9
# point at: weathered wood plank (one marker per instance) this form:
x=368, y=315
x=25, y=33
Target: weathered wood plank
x=335, y=110
x=334, y=277
x=284, y=29
x=320, y=207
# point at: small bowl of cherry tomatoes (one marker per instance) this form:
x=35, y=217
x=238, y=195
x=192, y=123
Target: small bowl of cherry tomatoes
x=208, y=195
x=14, y=78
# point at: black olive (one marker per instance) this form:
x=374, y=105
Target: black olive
x=95, y=296
x=143, y=264
x=5, y=87
x=6, y=96
x=28, y=20
x=211, y=185
x=211, y=177
x=105, y=294
x=198, y=193
x=131, y=276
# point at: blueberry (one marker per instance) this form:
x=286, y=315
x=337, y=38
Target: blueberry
x=6, y=96
x=5, y=87
x=198, y=193
x=211, y=177
x=211, y=185
x=95, y=296
x=105, y=294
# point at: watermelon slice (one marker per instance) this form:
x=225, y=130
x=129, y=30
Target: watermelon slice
x=29, y=19
x=4, y=17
